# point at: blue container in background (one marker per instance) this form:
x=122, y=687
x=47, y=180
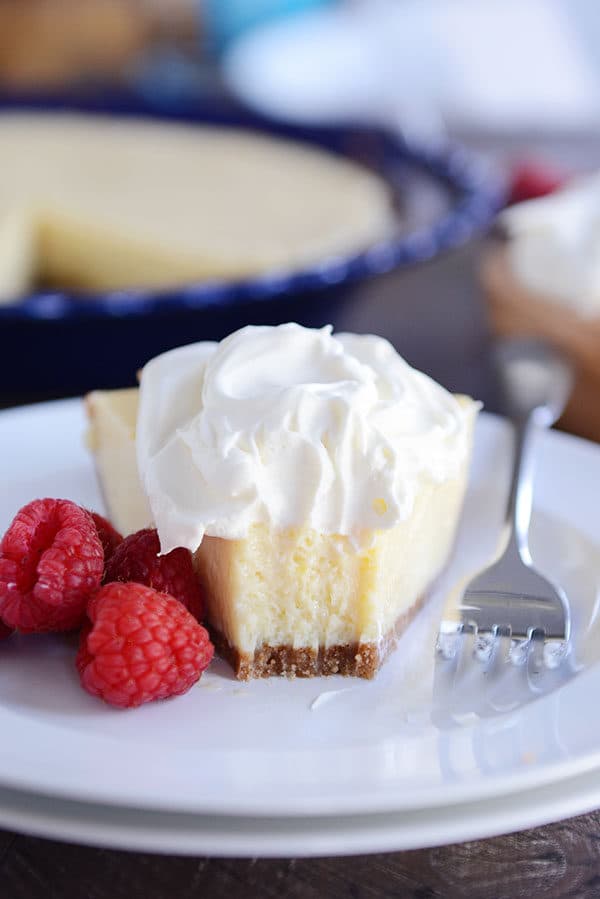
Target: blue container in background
x=225, y=20
x=63, y=343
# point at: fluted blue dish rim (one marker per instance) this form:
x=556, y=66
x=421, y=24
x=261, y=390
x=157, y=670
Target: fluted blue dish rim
x=478, y=195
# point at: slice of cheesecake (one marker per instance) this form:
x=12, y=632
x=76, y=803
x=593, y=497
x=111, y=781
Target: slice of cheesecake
x=295, y=601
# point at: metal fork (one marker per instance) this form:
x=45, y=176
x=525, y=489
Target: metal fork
x=509, y=611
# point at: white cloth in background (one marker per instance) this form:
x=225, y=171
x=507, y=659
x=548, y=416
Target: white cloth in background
x=488, y=64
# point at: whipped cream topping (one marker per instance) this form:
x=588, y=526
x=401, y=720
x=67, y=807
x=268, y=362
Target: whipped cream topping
x=290, y=426
x=554, y=248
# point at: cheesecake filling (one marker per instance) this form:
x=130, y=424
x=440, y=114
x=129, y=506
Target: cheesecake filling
x=298, y=588
x=289, y=427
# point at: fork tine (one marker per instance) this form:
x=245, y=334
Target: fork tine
x=466, y=651
x=500, y=654
x=448, y=641
x=535, y=656
x=452, y=675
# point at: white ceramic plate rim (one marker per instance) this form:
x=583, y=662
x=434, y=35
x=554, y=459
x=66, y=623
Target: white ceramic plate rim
x=247, y=837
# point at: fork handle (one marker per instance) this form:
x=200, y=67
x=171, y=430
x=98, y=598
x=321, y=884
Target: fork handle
x=520, y=501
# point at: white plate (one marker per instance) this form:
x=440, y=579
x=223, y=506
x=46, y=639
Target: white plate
x=314, y=747
x=188, y=834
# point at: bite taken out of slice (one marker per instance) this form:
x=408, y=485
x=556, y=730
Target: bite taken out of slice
x=319, y=485
x=302, y=603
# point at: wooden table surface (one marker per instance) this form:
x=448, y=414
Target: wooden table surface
x=557, y=861
x=435, y=317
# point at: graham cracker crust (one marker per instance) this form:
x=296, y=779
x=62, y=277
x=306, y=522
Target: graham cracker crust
x=350, y=659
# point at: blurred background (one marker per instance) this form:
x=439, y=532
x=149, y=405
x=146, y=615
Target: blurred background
x=515, y=82
x=475, y=69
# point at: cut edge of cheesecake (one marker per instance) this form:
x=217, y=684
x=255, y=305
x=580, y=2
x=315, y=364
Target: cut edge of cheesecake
x=302, y=603
x=347, y=659
x=110, y=436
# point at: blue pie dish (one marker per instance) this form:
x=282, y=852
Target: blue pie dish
x=64, y=343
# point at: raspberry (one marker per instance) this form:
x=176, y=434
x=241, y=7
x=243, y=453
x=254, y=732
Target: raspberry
x=5, y=631
x=136, y=559
x=109, y=536
x=534, y=179
x=142, y=645
x=51, y=562
x=83, y=657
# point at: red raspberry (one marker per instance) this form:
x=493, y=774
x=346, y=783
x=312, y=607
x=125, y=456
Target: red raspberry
x=51, y=562
x=530, y=180
x=142, y=646
x=5, y=631
x=109, y=536
x=83, y=657
x=136, y=559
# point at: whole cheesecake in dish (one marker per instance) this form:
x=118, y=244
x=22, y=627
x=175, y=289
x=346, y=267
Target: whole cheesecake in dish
x=317, y=479
x=542, y=279
x=94, y=203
